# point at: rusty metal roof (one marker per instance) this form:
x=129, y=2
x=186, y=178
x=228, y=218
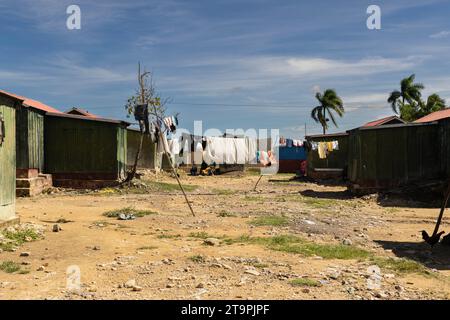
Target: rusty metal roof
x=31, y=103
x=438, y=115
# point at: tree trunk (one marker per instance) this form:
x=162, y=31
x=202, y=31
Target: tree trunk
x=132, y=173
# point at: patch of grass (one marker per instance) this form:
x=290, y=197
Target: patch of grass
x=198, y=258
x=168, y=236
x=293, y=244
x=253, y=171
x=276, y=221
x=225, y=214
x=147, y=248
x=199, y=235
x=319, y=203
x=9, y=266
x=17, y=238
x=305, y=282
x=137, y=213
x=401, y=266
x=169, y=187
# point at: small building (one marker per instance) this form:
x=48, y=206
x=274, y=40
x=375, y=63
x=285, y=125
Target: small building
x=291, y=158
x=8, y=107
x=395, y=156
x=147, y=159
x=383, y=122
x=81, y=112
x=31, y=178
x=85, y=152
x=334, y=166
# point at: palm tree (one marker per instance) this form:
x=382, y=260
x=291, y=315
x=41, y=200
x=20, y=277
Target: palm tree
x=409, y=92
x=329, y=102
x=434, y=103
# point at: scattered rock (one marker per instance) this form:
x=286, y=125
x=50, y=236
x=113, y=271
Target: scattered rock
x=211, y=242
x=200, y=285
x=347, y=242
x=41, y=268
x=130, y=283
x=25, y=254
x=56, y=228
x=137, y=288
x=252, y=271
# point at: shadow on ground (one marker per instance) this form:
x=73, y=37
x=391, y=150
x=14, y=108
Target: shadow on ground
x=333, y=195
x=437, y=257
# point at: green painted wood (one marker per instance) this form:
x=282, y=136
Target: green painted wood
x=30, y=139
x=335, y=159
x=148, y=155
x=389, y=157
x=82, y=146
x=8, y=161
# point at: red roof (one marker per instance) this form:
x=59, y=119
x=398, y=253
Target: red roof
x=382, y=121
x=82, y=112
x=438, y=115
x=32, y=103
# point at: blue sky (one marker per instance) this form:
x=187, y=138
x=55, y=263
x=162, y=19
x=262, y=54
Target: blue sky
x=231, y=63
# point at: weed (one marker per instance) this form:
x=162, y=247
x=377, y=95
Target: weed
x=305, y=282
x=275, y=221
x=137, y=213
x=9, y=266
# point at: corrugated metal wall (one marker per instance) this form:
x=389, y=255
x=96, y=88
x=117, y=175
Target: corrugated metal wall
x=148, y=154
x=30, y=139
x=338, y=159
x=388, y=157
x=8, y=161
x=82, y=146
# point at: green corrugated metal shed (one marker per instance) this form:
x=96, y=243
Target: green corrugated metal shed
x=337, y=159
x=395, y=155
x=8, y=107
x=30, y=139
x=79, y=148
x=147, y=158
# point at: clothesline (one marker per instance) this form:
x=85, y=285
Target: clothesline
x=189, y=149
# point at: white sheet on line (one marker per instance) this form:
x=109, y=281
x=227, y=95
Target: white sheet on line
x=251, y=146
x=241, y=150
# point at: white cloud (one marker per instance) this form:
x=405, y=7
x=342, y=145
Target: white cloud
x=320, y=67
x=439, y=35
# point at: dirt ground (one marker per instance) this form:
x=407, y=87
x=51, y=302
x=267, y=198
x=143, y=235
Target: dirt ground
x=236, y=247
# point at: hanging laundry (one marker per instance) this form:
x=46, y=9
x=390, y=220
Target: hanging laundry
x=251, y=146
x=289, y=143
x=322, y=150
x=330, y=146
x=335, y=145
x=241, y=150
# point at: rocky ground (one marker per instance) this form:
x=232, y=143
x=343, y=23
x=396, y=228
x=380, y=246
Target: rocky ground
x=288, y=240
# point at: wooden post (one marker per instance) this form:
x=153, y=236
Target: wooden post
x=260, y=177
x=441, y=213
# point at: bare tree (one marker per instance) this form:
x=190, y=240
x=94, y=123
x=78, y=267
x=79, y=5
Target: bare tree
x=145, y=97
